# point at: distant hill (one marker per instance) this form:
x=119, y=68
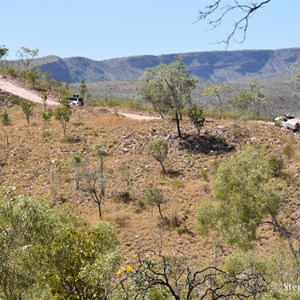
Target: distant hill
x=216, y=66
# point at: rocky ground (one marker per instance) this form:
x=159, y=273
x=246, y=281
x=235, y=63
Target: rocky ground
x=38, y=161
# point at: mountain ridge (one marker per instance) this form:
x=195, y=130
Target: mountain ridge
x=209, y=66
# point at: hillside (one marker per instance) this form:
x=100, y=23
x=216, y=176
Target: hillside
x=38, y=161
x=213, y=66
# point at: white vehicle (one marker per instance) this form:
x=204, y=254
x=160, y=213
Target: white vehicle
x=288, y=121
x=76, y=100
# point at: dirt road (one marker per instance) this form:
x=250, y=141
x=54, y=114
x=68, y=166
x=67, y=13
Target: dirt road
x=15, y=89
x=12, y=88
x=138, y=116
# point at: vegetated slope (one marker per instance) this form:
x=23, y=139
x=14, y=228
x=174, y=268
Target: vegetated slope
x=215, y=66
x=38, y=161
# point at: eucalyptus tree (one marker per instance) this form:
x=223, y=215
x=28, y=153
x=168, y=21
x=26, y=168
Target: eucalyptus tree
x=218, y=91
x=169, y=87
x=248, y=193
x=50, y=253
x=27, y=55
x=156, y=197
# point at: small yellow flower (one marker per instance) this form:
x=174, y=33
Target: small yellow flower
x=129, y=269
x=121, y=271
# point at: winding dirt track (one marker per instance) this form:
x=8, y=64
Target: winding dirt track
x=12, y=88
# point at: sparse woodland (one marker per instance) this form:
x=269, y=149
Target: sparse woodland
x=97, y=206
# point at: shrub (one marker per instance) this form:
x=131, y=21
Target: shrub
x=288, y=150
x=47, y=115
x=5, y=119
x=195, y=114
x=156, y=197
x=276, y=164
x=159, y=151
x=27, y=108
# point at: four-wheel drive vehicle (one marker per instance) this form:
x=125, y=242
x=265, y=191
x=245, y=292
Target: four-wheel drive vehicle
x=76, y=100
x=288, y=121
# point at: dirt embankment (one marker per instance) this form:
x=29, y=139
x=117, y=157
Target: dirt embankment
x=15, y=89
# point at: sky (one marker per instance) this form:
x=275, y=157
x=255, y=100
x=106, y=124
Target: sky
x=104, y=29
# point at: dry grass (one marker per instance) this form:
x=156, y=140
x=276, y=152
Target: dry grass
x=38, y=161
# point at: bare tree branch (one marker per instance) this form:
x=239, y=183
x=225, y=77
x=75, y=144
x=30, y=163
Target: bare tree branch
x=215, y=13
x=177, y=277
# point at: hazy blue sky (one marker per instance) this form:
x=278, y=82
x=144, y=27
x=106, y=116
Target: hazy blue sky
x=102, y=29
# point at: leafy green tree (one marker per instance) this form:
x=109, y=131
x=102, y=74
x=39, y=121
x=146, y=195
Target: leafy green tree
x=83, y=261
x=26, y=230
x=27, y=55
x=218, y=91
x=151, y=91
x=169, y=87
x=3, y=51
x=63, y=115
x=27, y=108
x=156, y=197
x=31, y=76
x=246, y=194
x=195, y=114
x=47, y=115
x=159, y=151
x=242, y=101
x=50, y=252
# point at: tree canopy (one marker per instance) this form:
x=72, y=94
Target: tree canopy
x=246, y=193
x=169, y=87
x=27, y=55
x=50, y=252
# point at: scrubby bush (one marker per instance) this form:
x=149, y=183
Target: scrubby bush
x=27, y=108
x=195, y=114
x=5, y=120
x=155, y=197
x=159, y=151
